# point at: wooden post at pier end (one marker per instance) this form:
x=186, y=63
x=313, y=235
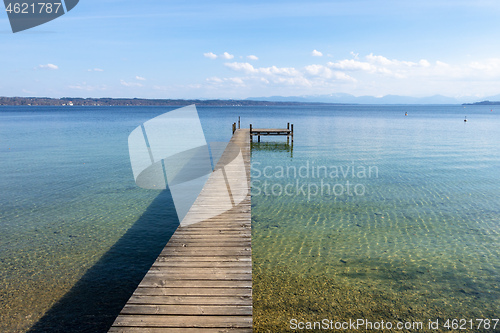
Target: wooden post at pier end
x=288, y=136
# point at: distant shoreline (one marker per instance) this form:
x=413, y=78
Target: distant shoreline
x=484, y=103
x=107, y=101
x=70, y=101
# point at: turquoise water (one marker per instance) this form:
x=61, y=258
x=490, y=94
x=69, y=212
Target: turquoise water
x=413, y=237
x=417, y=238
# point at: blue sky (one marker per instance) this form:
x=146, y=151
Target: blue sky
x=240, y=49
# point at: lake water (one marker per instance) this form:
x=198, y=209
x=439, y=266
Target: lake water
x=372, y=215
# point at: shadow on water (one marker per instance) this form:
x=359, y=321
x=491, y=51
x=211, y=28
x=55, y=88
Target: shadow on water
x=97, y=298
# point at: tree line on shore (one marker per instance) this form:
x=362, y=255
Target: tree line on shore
x=68, y=101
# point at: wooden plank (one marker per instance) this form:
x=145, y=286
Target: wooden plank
x=197, y=291
x=192, y=274
x=219, y=226
x=191, y=300
x=159, y=281
x=212, y=310
x=214, y=235
x=220, y=237
x=182, y=321
x=200, y=242
x=201, y=264
x=213, y=232
x=177, y=330
x=271, y=130
x=223, y=249
x=240, y=222
x=245, y=258
x=235, y=229
x=202, y=280
x=201, y=271
x=205, y=251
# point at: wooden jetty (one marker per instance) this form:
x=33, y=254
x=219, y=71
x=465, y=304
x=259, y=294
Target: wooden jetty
x=288, y=132
x=202, y=280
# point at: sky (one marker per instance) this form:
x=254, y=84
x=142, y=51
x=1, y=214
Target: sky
x=238, y=49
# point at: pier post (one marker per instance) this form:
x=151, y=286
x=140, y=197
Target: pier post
x=239, y=123
x=292, y=133
x=288, y=135
x=251, y=138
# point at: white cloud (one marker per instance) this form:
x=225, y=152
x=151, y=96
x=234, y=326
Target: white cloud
x=381, y=60
x=344, y=77
x=48, y=66
x=252, y=57
x=271, y=75
x=233, y=81
x=442, y=64
x=237, y=80
x=316, y=53
x=215, y=79
x=140, y=78
x=489, y=65
x=273, y=70
x=371, y=74
x=308, y=77
x=130, y=84
x=424, y=63
x=326, y=73
x=227, y=56
x=282, y=71
x=319, y=70
x=377, y=64
x=95, y=70
x=241, y=66
x=210, y=55
x=352, y=65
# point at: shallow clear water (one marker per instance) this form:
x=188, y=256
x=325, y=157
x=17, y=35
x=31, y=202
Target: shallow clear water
x=66, y=197
x=414, y=236
x=417, y=239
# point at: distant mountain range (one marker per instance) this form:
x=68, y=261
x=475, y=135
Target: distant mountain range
x=388, y=99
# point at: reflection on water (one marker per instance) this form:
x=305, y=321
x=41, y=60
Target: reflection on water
x=273, y=146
